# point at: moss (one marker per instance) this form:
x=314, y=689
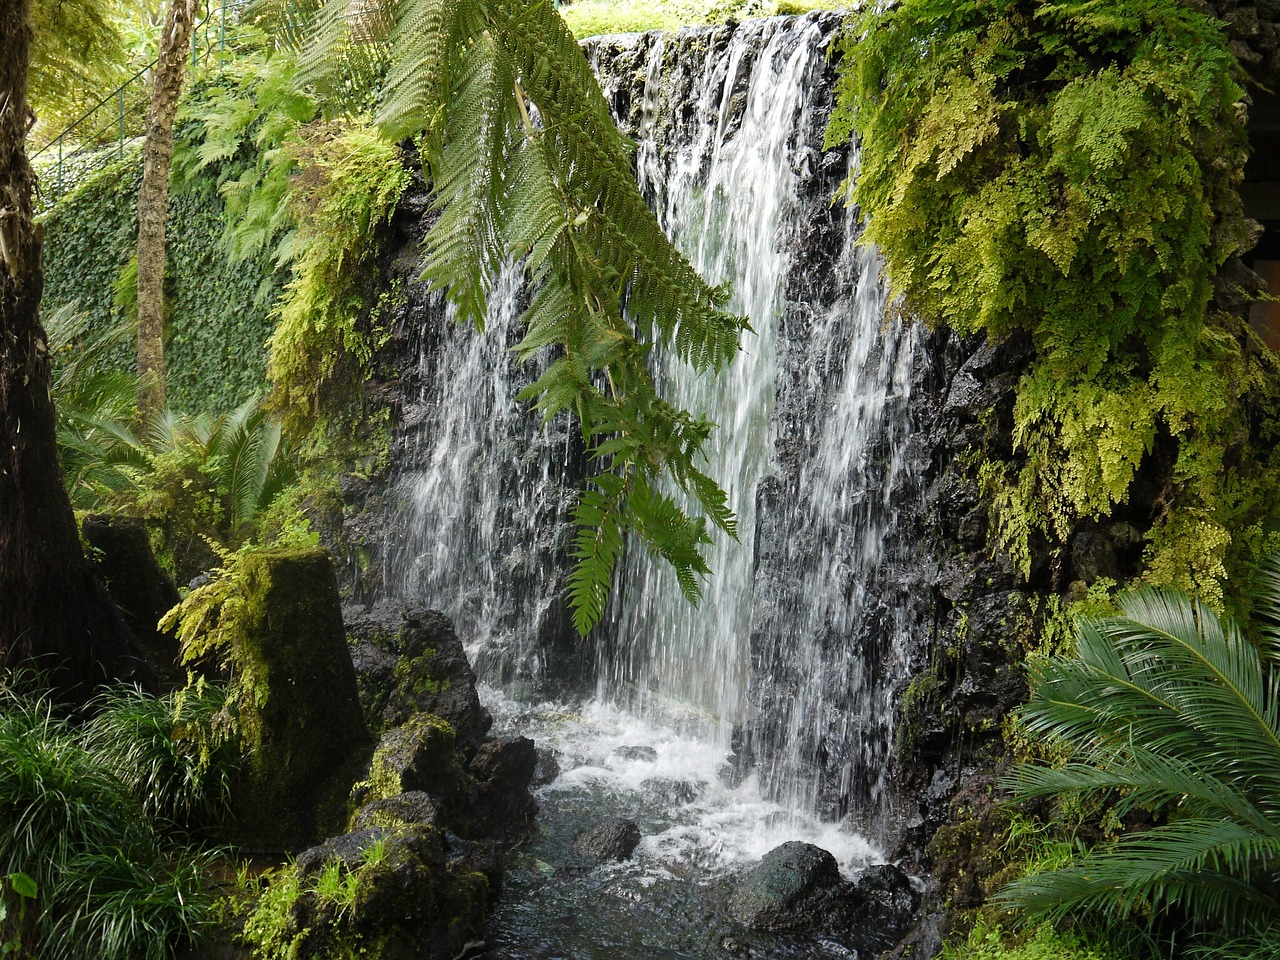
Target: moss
x=419, y=755
x=299, y=716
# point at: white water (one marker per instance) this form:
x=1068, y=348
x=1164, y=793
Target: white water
x=793, y=638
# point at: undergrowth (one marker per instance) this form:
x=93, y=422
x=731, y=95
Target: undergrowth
x=95, y=819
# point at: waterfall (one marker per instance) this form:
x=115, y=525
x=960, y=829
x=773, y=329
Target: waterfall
x=796, y=651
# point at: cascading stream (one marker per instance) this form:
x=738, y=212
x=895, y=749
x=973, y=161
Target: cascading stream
x=795, y=653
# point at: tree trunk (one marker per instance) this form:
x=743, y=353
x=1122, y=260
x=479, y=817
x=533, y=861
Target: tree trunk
x=54, y=614
x=153, y=203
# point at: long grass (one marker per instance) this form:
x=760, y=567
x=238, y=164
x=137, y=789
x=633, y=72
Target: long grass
x=109, y=883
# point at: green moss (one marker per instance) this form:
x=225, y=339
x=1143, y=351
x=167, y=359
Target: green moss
x=1072, y=177
x=426, y=742
x=274, y=618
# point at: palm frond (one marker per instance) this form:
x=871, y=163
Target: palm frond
x=1166, y=706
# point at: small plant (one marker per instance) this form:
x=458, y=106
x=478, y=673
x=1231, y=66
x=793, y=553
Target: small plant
x=1169, y=708
x=93, y=875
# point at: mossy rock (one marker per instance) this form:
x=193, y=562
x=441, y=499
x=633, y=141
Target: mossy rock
x=303, y=733
x=420, y=755
x=402, y=892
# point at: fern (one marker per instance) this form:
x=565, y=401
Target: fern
x=1069, y=169
x=527, y=164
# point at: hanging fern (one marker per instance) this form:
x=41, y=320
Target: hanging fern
x=527, y=164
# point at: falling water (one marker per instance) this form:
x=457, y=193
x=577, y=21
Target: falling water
x=795, y=653
x=483, y=491
x=791, y=646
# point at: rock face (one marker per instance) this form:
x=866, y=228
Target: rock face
x=797, y=888
x=303, y=734
x=409, y=660
x=612, y=839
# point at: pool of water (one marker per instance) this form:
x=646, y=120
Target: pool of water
x=701, y=827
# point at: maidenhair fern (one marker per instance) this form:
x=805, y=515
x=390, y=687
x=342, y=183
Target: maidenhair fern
x=526, y=164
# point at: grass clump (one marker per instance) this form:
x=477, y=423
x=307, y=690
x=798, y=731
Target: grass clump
x=92, y=867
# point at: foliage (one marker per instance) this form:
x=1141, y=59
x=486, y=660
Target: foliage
x=349, y=182
x=526, y=164
x=987, y=942
x=219, y=321
x=172, y=752
x=586, y=18
x=1070, y=171
x=77, y=54
x=271, y=929
x=105, y=882
x=1166, y=707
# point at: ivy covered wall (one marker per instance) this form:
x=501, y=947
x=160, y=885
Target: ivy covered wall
x=219, y=312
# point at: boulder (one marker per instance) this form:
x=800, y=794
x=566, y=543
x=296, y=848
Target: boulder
x=303, y=735
x=410, y=660
x=502, y=771
x=797, y=888
x=778, y=894
x=418, y=756
x=404, y=895
x=612, y=839
x=414, y=806
x=121, y=551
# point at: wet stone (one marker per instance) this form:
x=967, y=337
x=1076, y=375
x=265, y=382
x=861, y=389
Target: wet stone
x=612, y=839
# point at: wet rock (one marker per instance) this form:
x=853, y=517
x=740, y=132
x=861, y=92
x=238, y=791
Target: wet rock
x=612, y=839
x=409, y=660
x=668, y=791
x=502, y=771
x=797, y=888
x=641, y=753
x=884, y=905
x=547, y=769
x=776, y=895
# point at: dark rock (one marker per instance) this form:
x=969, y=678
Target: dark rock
x=776, y=895
x=547, y=768
x=885, y=904
x=797, y=888
x=666, y=790
x=642, y=753
x=412, y=900
x=413, y=806
x=612, y=839
x=347, y=849
x=301, y=728
x=418, y=756
x=121, y=550
x=410, y=660
x=502, y=771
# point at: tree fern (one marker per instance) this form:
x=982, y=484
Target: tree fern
x=1167, y=707
x=527, y=164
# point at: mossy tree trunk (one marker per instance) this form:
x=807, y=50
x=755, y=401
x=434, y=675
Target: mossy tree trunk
x=53, y=612
x=153, y=203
